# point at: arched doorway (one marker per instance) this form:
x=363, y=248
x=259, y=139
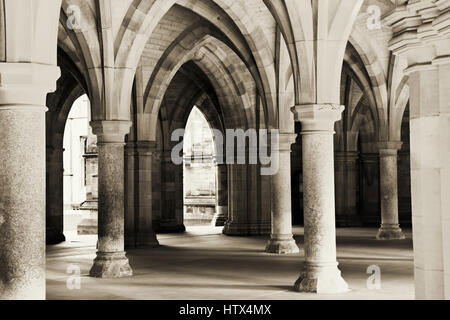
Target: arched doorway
x=80, y=172
x=199, y=172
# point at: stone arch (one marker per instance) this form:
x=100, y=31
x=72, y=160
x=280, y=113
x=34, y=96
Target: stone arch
x=357, y=73
x=59, y=104
x=376, y=76
x=399, y=97
x=182, y=94
x=83, y=48
x=204, y=52
x=361, y=114
x=142, y=18
x=298, y=21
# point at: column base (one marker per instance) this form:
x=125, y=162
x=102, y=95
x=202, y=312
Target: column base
x=111, y=265
x=282, y=245
x=53, y=237
x=321, y=279
x=147, y=240
x=390, y=232
x=247, y=229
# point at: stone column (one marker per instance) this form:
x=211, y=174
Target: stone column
x=23, y=90
x=55, y=197
x=131, y=194
x=370, y=189
x=430, y=176
x=320, y=273
x=346, y=174
x=173, y=202
x=237, y=200
x=248, y=200
x=390, y=227
x=145, y=236
x=424, y=44
x=281, y=239
x=221, y=216
x=111, y=261
x=157, y=190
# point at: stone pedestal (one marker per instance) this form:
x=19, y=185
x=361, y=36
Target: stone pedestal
x=390, y=227
x=111, y=261
x=23, y=90
x=346, y=175
x=281, y=239
x=111, y=265
x=221, y=215
x=320, y=273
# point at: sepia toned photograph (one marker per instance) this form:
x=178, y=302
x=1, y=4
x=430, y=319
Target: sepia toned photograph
x=230, y=157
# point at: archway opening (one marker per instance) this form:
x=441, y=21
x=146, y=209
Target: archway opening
x=199, y=173
x=80, y=158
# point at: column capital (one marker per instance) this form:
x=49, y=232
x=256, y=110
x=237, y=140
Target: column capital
x=389, y=148
x=110, y=131
x=286, y=140
x=318, y=117
x=26, y=84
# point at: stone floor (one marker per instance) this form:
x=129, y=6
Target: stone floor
x=203, y=264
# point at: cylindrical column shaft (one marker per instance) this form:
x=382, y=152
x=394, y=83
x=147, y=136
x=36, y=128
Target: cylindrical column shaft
x=320, y=273
x=23, y=89
x=281, y=239
x=390, y=227
x=111, y=261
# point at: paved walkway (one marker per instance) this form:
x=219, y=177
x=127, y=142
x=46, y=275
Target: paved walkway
x=204, y=264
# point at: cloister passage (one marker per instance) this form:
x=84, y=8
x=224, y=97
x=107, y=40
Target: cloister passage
x=356, y=103
x=205, y=264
